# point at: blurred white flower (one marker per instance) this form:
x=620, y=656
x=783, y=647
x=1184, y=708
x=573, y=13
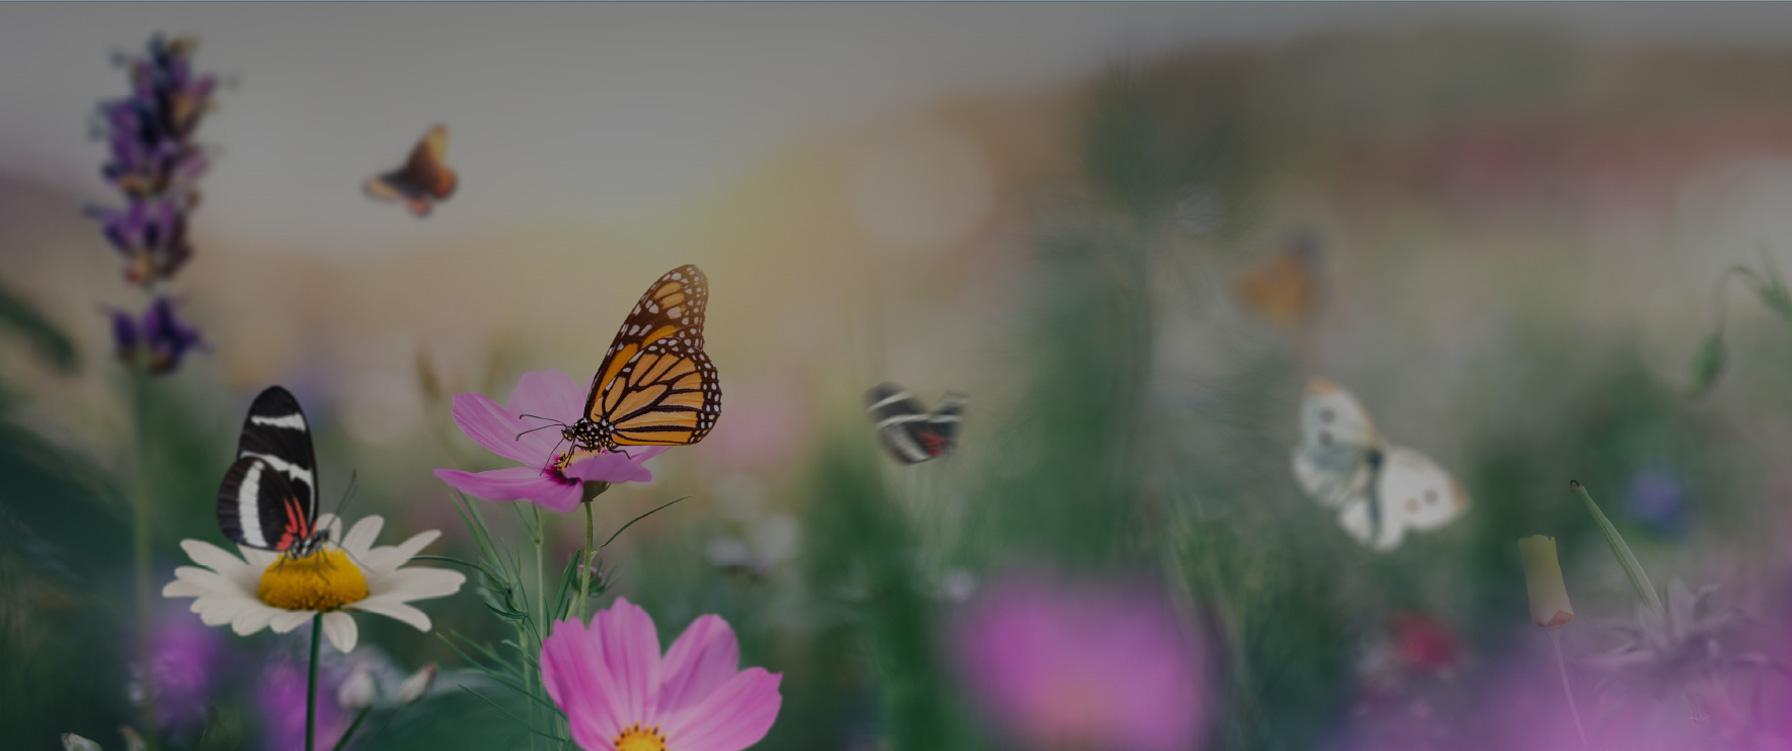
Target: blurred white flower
x=72, y=742
x=356, y=692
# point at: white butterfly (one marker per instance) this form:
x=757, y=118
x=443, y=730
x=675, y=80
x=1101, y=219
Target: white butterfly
x=1380, y=491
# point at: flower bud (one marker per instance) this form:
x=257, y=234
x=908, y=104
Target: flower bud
x=1543, y=581
x=417, y=684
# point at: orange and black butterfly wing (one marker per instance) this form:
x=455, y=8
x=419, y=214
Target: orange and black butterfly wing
x=656, y=386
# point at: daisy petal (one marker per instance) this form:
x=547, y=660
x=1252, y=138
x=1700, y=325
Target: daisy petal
x=395, y=610
x=340, y=627
x=513, y=484
x=361, y=536
x=252, y=619
x=258, y=559
x=288, y=620
x=410, y=584
x=492, y=426
x=704, y=656
x=389, y=558
x=211, y=556
x=733, y=717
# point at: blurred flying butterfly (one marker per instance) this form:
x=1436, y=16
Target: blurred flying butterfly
x=1287, y=290
x=424, y=179
x=268, y=499
x=655, y=386
x=1380, y=491
x=911, y=433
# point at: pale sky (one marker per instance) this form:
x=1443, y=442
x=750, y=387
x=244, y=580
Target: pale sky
x=581, y=113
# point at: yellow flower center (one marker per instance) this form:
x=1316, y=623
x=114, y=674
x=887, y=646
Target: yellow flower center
x=324, y=580
x=637, y=738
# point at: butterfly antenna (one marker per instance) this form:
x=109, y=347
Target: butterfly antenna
x=519, y=436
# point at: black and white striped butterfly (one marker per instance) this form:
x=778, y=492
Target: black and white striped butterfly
x=912, y=434
x=268, y=499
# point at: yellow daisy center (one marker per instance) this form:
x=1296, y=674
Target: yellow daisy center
x=637, y=738
x=324, y=580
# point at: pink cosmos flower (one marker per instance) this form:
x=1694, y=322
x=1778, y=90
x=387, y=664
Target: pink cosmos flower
x=1059, y=664
x=618, y=692
x=549, y=394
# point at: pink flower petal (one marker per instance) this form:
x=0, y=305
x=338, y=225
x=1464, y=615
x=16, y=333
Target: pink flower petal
x=514, y=484
x=495, y=428
x=631, y=649
x=704, y=656
x=573, y=671
x=733, y=717
x=609, y=467
x=548, y=393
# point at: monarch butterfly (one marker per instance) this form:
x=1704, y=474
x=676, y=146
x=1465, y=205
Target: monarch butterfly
x=268, y=499
x=655, y=386
x=424, y=179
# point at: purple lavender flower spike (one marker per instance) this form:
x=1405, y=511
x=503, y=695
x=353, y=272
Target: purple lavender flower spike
x=157, y=342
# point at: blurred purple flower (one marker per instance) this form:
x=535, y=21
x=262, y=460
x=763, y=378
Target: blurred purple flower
x=1084, y=665
x=1657, y=498
x=280, y=697
x=181, y=659
x=151, y=235
x=158, y=341
x=503, y=430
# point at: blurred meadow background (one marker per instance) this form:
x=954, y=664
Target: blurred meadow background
x=1129, y=234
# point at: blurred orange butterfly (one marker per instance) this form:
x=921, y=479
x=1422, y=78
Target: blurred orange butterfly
x=655, y=386
x=1288, y=290
x=424, y=179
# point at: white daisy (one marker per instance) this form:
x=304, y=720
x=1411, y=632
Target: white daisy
x=261, y=590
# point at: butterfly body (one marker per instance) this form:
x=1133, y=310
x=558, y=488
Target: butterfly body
x=1380, y=491
x=424, y=180
x=655, y=386
x=907, y=430
x=268, y=499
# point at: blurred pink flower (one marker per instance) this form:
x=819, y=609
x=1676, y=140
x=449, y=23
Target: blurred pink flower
x=1081, y=665
x=618, y=692
x=504, y=431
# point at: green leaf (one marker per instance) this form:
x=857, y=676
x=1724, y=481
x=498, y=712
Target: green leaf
x=1708, y=364
x=52, y=344
x=1639, y=579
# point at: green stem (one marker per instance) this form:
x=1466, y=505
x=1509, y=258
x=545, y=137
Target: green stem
x=317, y=626
x=342, y=743
x=585, y=562
x=541, y=600
x=141, y=516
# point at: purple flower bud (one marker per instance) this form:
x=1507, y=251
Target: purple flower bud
x=158, y=341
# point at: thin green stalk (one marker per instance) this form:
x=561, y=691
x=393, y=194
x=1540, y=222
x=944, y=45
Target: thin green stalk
x=1639, y=579
x=317, y=626
x=141, y=517
x=585, y=562
x=342, y=743
x=541, y=603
